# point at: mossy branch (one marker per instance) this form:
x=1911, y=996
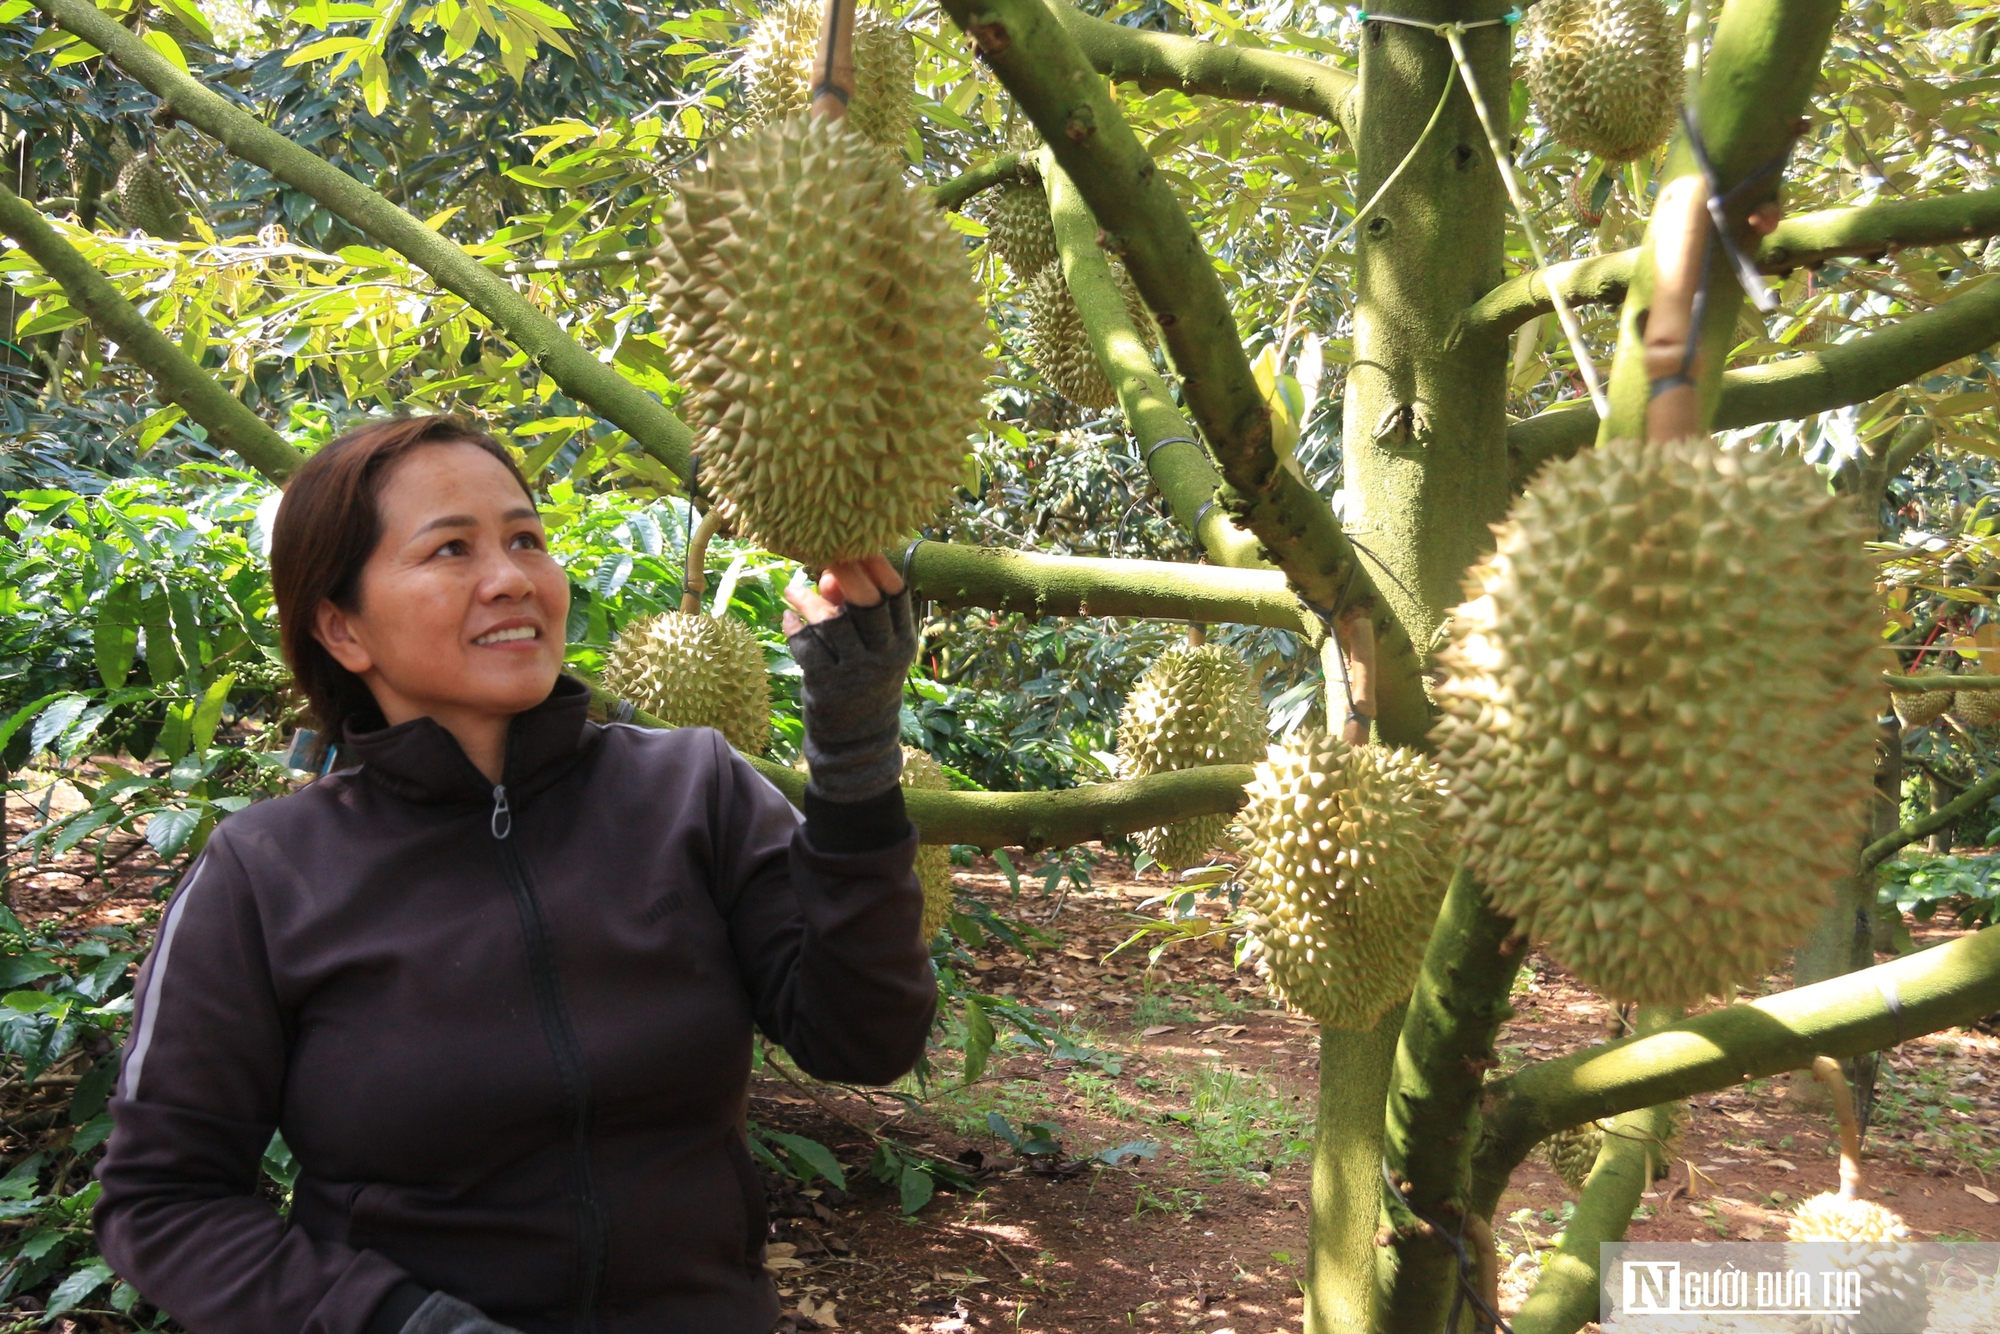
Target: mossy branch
x=1801, y=386
x=959, y=190
x=1182, y=469
x=1433, y=1108
x=1156, y=60
x=1805, y=241
x=179, y=379
x=1040, y=63
x=1965, y=803
x=579, y=373
x=1003, y=580
x=1938, y=681
x=1857, y=1012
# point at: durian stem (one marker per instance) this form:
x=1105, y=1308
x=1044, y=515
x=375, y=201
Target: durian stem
x=1197, y=634
x=576, y=371
x=1965, y=803
x=1347, y=1195
x=1939, y=681
x=180, y=380
x=1828, y=1072
x=1179, y=467
x=1762, y=66
x=1799, y=242
x=1800, y=386
x=959, y=190
x=1843, y=1016
x=833, y=67
x=694, y=576
x=1565, y=1297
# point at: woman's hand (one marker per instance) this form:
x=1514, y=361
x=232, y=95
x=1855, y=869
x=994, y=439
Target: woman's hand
x=863, y=583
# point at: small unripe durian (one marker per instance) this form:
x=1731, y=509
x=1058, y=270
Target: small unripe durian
x=778, y=70
x=1659, y=713
x=1019, y=229
x=1919, y=708
x=1347, y=867
x=825, y=323
x=1976, y=708
x=1060, y=348
x=692, y=670
x=1605, y=76
x=147, y=199
x=1197, y=705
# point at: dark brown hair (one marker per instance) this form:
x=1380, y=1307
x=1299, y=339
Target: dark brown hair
x=327, y=527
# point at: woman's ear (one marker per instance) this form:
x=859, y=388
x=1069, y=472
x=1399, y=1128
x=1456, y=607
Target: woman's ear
x=335, y=633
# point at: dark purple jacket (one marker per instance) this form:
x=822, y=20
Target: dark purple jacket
x=506, y=1033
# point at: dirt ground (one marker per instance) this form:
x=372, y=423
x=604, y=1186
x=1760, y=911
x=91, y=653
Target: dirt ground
x=1195, y=1060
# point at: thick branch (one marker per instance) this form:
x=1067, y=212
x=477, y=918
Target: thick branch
x=1003, y=580
x=1806, y=241
x=1844, y=1016
x=580, y=374
x=180, y=381
x=1155, y=60
x=954, y=193
x=1182, y=470
x=1041, y=65
x=1801, y=386
x=1972, y=799
x=1938, y=681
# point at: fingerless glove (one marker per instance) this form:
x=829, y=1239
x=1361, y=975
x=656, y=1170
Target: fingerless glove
x=853, y=667
x=443, y=1314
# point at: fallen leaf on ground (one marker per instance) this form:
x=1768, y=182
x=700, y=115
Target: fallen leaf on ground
x=1158, y=1029
x=1981, y=1193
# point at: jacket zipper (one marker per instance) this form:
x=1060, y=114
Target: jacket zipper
x=568, y=1054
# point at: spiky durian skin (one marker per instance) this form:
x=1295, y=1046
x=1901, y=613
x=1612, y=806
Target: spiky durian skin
x=1605, y=76
x=933, y=859
x=146, y=199
x=1862, y=1236
x=778, y=69
x=1919, y=708
x=1196, y=705
x=1658, y=717
x=1059, y=346
x=825, y=323
x=692, y=670
x=1976, y=708
x=1019, y=228
x=1572, y=1153
x=1346, y=868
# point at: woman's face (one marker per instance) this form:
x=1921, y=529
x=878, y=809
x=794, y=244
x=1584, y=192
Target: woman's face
x=461, y=608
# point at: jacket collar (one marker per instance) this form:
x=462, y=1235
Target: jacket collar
x=422, y=762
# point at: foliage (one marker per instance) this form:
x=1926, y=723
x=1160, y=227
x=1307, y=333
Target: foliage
x=1966, y=888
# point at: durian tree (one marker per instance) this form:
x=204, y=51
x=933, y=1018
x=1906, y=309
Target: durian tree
x=1633, y=727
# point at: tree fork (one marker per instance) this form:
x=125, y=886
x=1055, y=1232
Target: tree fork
x=580, y=374
x=181, y=381
x=1035, y=57
x=1863, y=1011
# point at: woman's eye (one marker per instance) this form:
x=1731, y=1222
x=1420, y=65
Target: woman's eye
x=455, y=547
x=527, y=542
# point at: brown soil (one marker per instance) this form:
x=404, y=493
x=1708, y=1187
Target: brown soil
x=1209, y=1235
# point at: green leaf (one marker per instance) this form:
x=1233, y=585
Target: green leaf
x=80, y=1284
x=163, y=661
x=18, y=970
x=179, y=727
x=208, y=714
x=164, y=43
x=21, y=717
x=916, y=1187
x=116, y=642
x=810, y=1153
x=91, y=1133
x=55, y=721
x=158, y=424
x=170, y=827
x=979, y=1038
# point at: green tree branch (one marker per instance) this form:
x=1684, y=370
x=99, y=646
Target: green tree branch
x=580, y=374
x=1804, y=241
x=1156, y=60
x=1801, y=386
x=179, y=379
x=1040, y=63
x=1857, y=1012
x=959, y=190
x=1966, y=802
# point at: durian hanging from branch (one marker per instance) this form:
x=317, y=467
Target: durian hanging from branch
x=823, y=317
x=1605, y=76
x=1197, y=705
x=777, y=70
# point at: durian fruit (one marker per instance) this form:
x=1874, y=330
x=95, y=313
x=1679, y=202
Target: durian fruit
x=1840, y=1231
x=1918, y=708
x=1347, y=867
x=1018, y=226
x=1572, y=1153
x=1060, y=348
x=692, y=670
x=1197, y=705
x=1938, y=13
x=1605, y=76
x=1659, y=714
x=825, y=323
x=1976, y=708
x=147, y=199
x=778, y=70
x=933, y=859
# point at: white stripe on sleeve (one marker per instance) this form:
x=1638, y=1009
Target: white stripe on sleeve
x=149, y=1004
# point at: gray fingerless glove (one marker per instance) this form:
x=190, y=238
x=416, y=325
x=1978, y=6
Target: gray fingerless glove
x=853, y=668
x=444, y=1314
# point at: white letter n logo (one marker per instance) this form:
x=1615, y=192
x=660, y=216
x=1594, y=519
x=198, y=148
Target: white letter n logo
x=1652, y=1287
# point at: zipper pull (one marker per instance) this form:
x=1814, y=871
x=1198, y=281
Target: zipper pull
x=503, y=816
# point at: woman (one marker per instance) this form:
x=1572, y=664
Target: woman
x=495, y=976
